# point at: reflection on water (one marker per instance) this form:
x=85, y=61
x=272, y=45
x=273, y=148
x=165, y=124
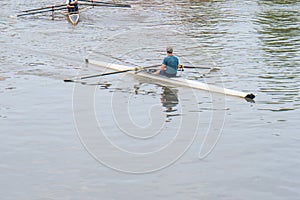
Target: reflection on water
x=279, y=33
x=261, y=37
x=169, y=99
x=255, y=43
x=278, y=28
x=199, y=19
x=150, y=93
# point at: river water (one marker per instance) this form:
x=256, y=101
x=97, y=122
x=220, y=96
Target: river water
x=123, y=137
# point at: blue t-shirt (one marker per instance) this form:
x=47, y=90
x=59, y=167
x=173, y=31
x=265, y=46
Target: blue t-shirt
x=171, y=63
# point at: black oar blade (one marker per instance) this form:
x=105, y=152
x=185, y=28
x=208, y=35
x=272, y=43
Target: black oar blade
x=250, y=96
x=68, y=80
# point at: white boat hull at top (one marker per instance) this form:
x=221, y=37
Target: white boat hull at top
x=174, y=81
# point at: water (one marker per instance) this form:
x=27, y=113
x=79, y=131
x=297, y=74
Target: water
x=177, y=143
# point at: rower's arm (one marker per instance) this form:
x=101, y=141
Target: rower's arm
x=72, y=3
x=162, y=67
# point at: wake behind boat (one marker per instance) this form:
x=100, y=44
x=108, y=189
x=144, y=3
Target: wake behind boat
x=180, y=81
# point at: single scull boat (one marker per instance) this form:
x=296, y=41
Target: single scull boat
x=174, y=81
x=73, y=17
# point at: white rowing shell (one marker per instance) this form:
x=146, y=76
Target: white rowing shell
x=73, y=18
x=175, y=80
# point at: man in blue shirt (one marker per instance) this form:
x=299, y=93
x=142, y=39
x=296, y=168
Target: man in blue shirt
x=169, y=65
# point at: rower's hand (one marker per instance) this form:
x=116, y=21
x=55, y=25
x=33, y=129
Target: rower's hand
x=180, y=68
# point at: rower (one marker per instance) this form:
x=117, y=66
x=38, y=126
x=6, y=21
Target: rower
x=72, y=6
x=169, y=65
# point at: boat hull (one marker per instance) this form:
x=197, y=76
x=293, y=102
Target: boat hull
x=174, y=80
x=73, y=18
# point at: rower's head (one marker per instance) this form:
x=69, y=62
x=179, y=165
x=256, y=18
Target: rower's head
x=169, y=50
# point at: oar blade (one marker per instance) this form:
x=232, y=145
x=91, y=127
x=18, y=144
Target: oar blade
x=68, y=80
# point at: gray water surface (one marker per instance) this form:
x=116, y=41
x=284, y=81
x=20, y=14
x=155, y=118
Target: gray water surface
x=123, y=137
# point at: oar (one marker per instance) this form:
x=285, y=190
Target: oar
x=106, y=5
x=93, y=1
x=192, y=67
x=137, y=69
x=201, y=67
x=45, y=8
x=100, y=3
x=43, y=11
x=97, y=75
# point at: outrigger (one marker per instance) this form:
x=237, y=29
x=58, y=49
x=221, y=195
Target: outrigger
x=73, y=17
